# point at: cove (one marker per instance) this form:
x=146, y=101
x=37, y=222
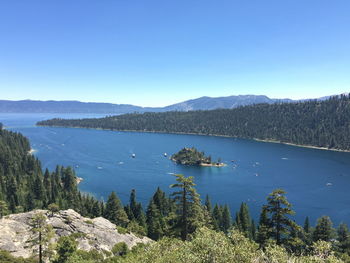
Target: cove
x=317, y=181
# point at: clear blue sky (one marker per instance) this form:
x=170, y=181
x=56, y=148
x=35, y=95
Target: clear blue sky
x=154, y=53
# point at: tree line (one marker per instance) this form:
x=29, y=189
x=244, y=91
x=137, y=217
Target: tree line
x=314, y=123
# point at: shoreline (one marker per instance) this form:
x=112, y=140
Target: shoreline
x=301, y=145
x=32, y=151
x=79, y=180
x=202, y=164
x=214, y=135
x=213, y=165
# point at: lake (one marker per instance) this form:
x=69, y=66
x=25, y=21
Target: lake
x=317, y=181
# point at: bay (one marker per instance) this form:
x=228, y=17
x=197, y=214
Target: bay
x=317, y=181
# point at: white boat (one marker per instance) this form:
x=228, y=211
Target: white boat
x=133, y=155
x=165, y=154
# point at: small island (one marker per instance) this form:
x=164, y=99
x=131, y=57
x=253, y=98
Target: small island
x=191, y=156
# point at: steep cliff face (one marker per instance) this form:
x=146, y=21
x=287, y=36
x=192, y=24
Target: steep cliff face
x=97, y=233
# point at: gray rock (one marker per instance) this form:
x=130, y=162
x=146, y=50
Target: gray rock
x=97, y=233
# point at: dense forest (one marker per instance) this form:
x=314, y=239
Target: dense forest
x=186, y=228
x=314, y=123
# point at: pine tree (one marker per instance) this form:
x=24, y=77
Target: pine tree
x=307, y=225
x=343, y=237
x=39, y=192
x=217, y=217
x=323, y=230
x=307, y=232
x=156, y=226
x=161, y=202
x=115, y=211
x=226, y=219
x=264, y=229
x=189, y=207
x=96, y=209
x=53, y=208
x=244, y=220
x=208, y=204
x=48, y=187
x=253, y=229
x=43, y=233
x=66, y=247
x=295, y=241
x=279, y=209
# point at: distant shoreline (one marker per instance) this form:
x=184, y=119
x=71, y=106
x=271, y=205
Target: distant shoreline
x=202, y=134
x=301, y=145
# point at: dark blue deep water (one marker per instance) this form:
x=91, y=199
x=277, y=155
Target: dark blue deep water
x=317, y=181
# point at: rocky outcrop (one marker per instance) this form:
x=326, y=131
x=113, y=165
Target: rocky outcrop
x=97, y=233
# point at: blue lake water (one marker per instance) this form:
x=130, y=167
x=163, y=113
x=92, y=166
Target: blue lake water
x=317, y=181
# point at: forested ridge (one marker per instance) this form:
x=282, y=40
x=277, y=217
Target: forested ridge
x=187, y=228
x=312, y=123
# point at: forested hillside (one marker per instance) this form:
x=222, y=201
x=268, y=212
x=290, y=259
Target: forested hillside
x=24, y=186
x=314, y=123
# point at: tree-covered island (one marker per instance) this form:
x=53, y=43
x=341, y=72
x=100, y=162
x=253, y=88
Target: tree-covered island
x=191, y=156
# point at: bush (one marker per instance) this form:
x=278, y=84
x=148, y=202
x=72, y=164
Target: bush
x=120, y=249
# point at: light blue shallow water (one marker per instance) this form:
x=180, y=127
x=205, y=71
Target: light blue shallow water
x=103, y=160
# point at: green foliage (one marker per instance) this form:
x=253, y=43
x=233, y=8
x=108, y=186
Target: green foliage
x=264, y=229
x=42, y=235
x=190, y=211
x=122, y=230
x=190, y=156
x=156, y=224
x=316, y=123
x=207, y=246
x=53, y=208
x=120, y=249
x=115, y=211
x=24, y=186
x=343, y=239
x=323, y=230
x=135, y=228
x=66, y=247
x=6, y=257
x=279, y=209
x=244, y=221
x=3, y=208
x=136, y=215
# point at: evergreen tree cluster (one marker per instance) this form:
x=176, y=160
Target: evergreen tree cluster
x=24, y=186
x=314, y=123
x=190, y=156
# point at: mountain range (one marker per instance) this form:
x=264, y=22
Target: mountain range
x=202, y=103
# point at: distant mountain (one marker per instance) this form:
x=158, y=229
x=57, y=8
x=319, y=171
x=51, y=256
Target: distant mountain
x=35, y=106
x=230, y=102
x=202, y=103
